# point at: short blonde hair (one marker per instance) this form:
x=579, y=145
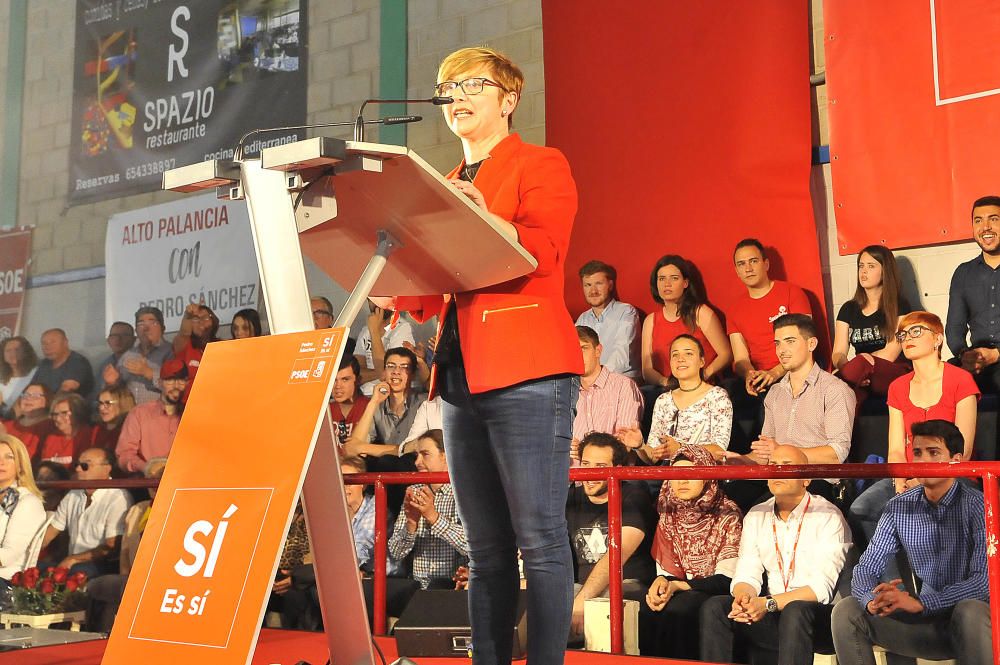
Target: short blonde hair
x=501, y=68
x=25, y=478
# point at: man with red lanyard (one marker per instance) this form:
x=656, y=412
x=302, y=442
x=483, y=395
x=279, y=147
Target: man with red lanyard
x=800, y=540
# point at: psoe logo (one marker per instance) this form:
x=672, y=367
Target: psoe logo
x=301, y=369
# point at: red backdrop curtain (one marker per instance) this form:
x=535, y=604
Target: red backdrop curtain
x=687, y=126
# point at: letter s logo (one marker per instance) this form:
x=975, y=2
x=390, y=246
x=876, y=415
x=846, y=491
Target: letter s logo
x=175, y=56
x=197, y=550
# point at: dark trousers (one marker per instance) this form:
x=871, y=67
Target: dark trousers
x=673, y=631
x=788, y=637
x=508, y=452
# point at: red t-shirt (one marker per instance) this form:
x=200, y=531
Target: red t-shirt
x=664, y=334
x=752, y=318
x=104, y=438
x=956, y=385
x=191, y=357
x=343, y=425
x=62, y=449
x=31, y=436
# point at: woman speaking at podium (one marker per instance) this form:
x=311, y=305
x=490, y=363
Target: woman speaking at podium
x=506, y=364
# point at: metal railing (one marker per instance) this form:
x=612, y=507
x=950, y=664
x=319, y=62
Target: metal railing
x=989, y=472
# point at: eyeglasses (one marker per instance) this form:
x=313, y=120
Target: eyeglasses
x=206, y=317
x=402, y=367
x=85, y=466
x=912, y=332
x=322, y=312
x=61, y=414
x=106, y=402
x=33, y=395
x=471, y=86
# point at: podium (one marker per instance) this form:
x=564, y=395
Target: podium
x=349, y=206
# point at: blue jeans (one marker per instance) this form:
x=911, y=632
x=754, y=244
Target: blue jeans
x=508, y=454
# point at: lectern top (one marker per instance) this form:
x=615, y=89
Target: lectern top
x=447, y=243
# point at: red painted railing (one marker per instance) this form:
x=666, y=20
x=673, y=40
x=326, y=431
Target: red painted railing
x=988, y=471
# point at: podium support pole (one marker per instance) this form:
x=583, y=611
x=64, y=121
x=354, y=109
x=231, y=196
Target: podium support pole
x=386, y=245
x=286, y=297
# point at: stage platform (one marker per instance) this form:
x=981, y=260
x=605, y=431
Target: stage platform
x=285, y=647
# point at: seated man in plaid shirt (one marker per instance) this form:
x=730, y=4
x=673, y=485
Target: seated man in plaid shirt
x=940, y=526
x=428, y=526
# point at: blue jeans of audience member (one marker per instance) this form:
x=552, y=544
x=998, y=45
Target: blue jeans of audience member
x=508, y=455
x=962, y=633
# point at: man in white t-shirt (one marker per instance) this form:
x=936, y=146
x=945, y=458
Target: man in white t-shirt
x=94, y=518
x=379, y=334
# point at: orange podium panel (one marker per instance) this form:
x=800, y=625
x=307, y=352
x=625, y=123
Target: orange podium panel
x=208, y=556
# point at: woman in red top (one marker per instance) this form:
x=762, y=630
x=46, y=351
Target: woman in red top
x=199, y=326
x=71, y=432
x=505, y=362
x=683, y=310
x=934, y=390
x=113, y=404
x=31, y=422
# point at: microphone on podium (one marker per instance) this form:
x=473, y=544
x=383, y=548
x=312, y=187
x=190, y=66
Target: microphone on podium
x=360, y=122
x=390, y=120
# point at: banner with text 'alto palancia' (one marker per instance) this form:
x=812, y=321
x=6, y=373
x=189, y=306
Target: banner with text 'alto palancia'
x=206, y=562
x=193, y=250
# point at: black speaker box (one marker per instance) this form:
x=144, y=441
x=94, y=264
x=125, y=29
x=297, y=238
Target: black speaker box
x=436, y=624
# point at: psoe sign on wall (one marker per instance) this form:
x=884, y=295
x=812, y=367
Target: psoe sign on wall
x=193, y=250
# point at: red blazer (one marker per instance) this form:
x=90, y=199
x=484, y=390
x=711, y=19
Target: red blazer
x=518, y=330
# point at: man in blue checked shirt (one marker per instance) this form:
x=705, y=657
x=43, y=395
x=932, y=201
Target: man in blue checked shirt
x=940, y=526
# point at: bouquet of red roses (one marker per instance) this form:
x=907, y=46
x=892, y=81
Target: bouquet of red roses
x=55, y=591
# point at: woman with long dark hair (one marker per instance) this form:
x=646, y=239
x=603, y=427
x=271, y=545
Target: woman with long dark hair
x=18, y=362
x=246, y=323
x=868, y=323
x=683, y=310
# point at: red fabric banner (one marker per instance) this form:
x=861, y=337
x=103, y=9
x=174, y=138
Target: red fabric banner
x=687, y=126
x=914, y=100
x=15, y=253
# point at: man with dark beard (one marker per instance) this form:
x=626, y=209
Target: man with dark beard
x=149, y=429
x=587, y=520
x=973, y=329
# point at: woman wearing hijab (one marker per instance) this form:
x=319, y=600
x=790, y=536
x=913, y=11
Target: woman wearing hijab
x=696, y=546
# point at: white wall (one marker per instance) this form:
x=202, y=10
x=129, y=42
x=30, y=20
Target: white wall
x=925, y=271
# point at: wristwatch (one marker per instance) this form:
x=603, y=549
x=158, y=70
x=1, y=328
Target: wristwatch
x=772, y=605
